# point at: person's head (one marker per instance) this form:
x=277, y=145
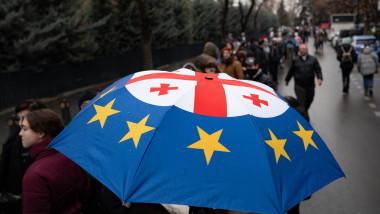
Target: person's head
x=251, y=63
x=226, y=53
x=26, y=106
x=241, y=55
x=85, y=99
x=38, y=125
x=211, y=68
x=303, y=50
x=261, y=43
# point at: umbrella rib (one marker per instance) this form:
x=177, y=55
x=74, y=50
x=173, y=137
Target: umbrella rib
x=266, y=154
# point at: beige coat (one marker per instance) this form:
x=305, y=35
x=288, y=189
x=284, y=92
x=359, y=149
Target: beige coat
x=235, y=69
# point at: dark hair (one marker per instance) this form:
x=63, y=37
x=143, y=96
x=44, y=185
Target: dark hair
x=86, y=96
x=45, y=121
x=211, y=65
x=30, y=105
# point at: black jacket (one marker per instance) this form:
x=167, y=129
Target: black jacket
x=259, y=76
x=304, y=71
x=262, y=57
x=346, y=65
x=15, y=160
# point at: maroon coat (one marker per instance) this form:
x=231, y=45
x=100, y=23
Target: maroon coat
x=53, y=183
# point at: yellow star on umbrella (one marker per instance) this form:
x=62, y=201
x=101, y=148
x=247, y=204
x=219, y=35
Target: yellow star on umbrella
x=136, y=130
x=209, y=143
x=278, y=146
x=306, y=136
x=103, y=112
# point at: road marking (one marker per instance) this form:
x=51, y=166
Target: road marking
x=377, y=113
x=372, y=105
x=359, y=87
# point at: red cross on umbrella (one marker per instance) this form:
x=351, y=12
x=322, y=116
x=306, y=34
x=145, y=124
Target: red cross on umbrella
x=212, y=103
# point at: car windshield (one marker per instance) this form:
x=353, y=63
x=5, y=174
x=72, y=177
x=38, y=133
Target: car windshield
x=365, y=41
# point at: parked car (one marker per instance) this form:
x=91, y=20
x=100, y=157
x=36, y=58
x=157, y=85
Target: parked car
x=337, y=39
x=359, y=41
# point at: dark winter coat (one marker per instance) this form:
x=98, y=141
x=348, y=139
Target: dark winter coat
x=275, y=54
x=346, y=65
x=259, y=76
x=262, y=58
x=53, y=183
x=15, y=160
x=304, y=71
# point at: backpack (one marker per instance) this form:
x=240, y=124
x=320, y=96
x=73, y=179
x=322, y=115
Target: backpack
x=346, y=56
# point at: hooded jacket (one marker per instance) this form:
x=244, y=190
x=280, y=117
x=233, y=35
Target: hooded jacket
x=368, y=61
x=210, y=51
x=53, y=183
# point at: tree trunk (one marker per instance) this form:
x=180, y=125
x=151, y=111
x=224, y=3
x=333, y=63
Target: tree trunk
x=223, y=17
x=146, y=37
x=244, y=18
x=255, y=19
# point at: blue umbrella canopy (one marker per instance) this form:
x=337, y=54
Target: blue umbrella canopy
x=205, y=140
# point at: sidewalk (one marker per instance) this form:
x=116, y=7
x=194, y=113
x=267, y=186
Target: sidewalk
x=72, y=97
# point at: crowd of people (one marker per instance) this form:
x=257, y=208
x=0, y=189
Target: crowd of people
x=37, y=179
x=258, y=60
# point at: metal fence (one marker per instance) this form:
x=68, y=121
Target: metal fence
x=52, y=81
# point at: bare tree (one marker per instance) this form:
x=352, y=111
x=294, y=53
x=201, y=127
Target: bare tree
x=223, y=18
x=256, y=15
x=244, y=17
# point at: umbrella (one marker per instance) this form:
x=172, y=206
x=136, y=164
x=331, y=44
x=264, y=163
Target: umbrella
x=205, y=140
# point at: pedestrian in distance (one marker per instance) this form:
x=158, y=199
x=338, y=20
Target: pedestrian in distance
x=53, y=183
x=304, y=68
x=275, y=56
x=15, y=159
x=230, y=65
x=253, y=72
x=346, y=56
x=262, y=57
x=290, y=45
x=368, y=65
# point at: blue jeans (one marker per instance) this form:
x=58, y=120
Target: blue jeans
x=368, y=82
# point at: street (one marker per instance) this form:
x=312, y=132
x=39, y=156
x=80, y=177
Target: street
x=349, y=125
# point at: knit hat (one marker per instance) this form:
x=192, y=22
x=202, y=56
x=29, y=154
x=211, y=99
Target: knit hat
x=250, y=61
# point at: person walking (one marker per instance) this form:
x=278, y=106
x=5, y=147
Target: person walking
x=367, y=66
x=304, y=68
x=262, y=57
x=274, y=58
x=290, y=44
x=346, y=56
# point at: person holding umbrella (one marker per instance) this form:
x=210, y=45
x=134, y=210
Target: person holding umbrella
x=53, y=183
x=304, y=68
